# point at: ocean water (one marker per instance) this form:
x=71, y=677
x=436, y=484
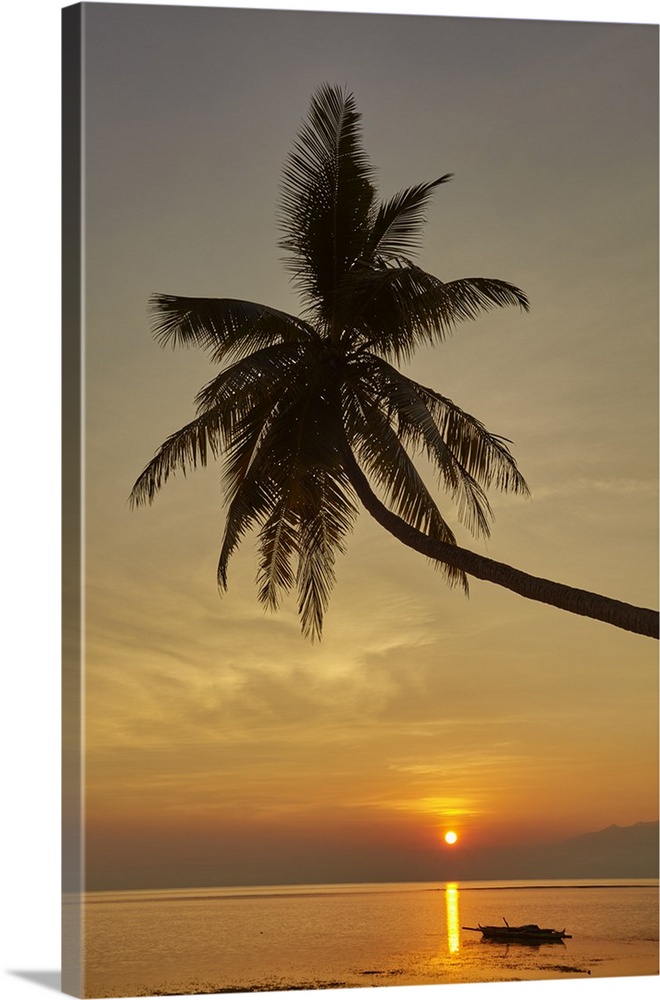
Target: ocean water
x=324, y=936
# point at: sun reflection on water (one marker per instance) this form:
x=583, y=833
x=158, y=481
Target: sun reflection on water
x=453, y=919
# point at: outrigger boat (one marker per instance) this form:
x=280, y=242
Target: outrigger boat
x=526, y=932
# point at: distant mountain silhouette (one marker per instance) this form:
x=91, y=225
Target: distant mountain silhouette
x=615, y=852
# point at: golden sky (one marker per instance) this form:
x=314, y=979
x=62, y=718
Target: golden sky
x=220, y=746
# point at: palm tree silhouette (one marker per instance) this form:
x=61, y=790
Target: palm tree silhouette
x=308, y=412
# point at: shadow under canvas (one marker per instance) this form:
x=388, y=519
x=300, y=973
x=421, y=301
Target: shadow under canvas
x=50, y=979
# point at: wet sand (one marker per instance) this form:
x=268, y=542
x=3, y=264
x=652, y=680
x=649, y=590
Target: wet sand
x=476, y=963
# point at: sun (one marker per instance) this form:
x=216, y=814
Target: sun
x=451, y=837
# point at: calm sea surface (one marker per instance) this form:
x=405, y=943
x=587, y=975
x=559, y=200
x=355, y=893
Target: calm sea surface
x=321, y=936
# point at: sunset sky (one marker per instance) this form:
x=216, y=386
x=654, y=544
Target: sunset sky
x=221, y=747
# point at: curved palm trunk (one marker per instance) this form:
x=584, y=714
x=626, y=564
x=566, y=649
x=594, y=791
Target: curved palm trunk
x=579, y=602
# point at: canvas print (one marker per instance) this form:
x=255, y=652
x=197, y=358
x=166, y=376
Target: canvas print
x=360, y=486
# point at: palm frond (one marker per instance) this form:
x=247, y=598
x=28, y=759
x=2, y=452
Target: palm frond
x=380, y=451
x=416, y=427
x=278, y=545
x=399, y=222
x=261, y=467
x=395, y=310
x=485, y=455
x=389, y=310
x=248, y=432
x=292, y=449
x=263, y=375
x=261, y=477
x=184, y=450
x=267, y=467
x=250, y=506
x=471, y=296
x=327, y=515
x=326, y=205
x=225, y=327
x=240, y=395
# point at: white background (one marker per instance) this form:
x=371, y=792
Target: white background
x=29, y=480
